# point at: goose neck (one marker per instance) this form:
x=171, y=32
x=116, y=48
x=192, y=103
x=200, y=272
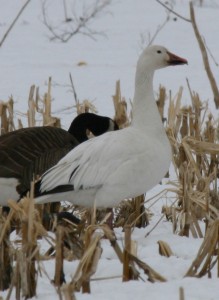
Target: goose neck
x=145, y=111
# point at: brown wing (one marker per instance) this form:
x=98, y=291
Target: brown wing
x=28, y=152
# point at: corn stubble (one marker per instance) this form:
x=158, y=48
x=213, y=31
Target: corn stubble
x=193, y=134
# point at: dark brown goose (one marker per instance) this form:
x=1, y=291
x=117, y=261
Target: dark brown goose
x=29, y=152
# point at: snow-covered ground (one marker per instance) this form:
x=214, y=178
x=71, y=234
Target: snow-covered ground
x=27, y=57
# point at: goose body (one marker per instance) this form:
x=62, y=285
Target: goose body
x=31, y=151
x=120, y=164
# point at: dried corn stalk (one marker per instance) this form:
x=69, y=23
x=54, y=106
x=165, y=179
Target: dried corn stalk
x=164, y=249
x=6, y=116
x=120, y=107
x=195, y=152
x=208, y=254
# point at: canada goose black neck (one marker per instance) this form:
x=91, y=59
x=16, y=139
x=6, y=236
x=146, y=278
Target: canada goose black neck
x=89, y=121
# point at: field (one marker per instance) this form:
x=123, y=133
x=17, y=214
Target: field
x=166, y=249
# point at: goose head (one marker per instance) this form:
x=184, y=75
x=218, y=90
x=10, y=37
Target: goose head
x=157, y=57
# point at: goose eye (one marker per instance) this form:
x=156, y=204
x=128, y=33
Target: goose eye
x=159, y=51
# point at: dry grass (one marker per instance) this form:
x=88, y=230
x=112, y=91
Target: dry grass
x=193, y=134
x=208, y=254
x=26, y=253
x=164, y=249
x=7, y=116
x=120, y=106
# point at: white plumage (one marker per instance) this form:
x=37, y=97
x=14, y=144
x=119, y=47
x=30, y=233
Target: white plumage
x=120, y=164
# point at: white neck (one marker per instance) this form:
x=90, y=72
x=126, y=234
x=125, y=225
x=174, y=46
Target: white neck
x=145, y=112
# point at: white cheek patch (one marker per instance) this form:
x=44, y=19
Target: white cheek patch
x=111, y=126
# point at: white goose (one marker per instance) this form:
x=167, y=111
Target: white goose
x=120, y=164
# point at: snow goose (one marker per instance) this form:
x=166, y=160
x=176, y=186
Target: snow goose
x=120, y=164
x=34, y=150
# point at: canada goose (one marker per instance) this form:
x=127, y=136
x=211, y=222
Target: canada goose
x=31, y=151
x=121, y=164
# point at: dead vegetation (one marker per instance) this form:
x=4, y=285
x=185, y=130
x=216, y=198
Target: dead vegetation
x=193, y=134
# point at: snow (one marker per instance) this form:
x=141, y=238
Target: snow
x=27, y=57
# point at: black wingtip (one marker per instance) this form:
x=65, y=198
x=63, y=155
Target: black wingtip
x=58, y=189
